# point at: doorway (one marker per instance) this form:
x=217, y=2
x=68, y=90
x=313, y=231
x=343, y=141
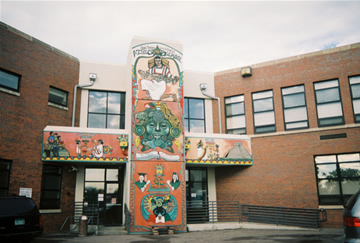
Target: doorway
x=104, y=186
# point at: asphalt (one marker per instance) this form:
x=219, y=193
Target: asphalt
x=324, y=235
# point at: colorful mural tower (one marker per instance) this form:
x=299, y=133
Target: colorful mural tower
x=157, y=184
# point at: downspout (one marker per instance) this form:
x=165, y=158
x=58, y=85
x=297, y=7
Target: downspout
x=203, y=88
x=92, y=81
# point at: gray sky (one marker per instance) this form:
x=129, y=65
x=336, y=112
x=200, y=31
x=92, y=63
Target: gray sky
x=216, y=36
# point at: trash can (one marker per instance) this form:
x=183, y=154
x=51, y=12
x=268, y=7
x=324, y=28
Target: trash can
x=83, y=225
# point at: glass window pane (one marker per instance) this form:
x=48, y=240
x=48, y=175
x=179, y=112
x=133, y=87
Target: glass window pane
x=57, y=96
x=355, y=91
x=112, y=174
x=295, y=114
x=350, y=170
x=234, y=99
x=296, y=125
x=186, y=108
x=96, y=121
x=350, y=187
x=235, y=109
x=349, y=157
x=327, y=95
x=197, y=126
x=265, y=118
x=196, y=108
x=294, y=100
x=263, y=105
x=325, y=85
x=328, y=187
x=325, y=159
x=113, y=121
x=235, y=122
x=292, y=90
x=327, y=171
x=93, y=174
x=261, y=95
x=114, y=103
x=355, y=80
x=356, y=104
x=97, y=102
x=237, y=131
x=329, y=110
x=9, y=80
x=52, y=182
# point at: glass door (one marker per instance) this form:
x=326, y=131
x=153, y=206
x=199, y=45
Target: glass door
x=103, y=186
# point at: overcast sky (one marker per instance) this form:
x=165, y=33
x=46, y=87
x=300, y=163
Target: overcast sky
x=216, y=36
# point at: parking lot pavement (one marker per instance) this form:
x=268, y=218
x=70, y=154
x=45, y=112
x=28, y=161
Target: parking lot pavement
x=228, y=236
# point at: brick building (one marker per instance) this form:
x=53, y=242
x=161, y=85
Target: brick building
x=290, y=132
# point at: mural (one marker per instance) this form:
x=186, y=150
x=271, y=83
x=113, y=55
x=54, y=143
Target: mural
x=69, y=146
x=218, y=151
x=157, y=158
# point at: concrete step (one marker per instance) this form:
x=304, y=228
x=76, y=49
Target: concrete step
x=112, y=230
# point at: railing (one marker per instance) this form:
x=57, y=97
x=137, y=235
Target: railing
x=231, y=211
x=212, y=211
x=309, y=218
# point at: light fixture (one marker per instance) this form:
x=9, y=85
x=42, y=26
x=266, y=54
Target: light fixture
x=246, y=72
x=92, y=77
x=203, y=86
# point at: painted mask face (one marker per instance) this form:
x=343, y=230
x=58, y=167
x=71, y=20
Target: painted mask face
x=158, y=130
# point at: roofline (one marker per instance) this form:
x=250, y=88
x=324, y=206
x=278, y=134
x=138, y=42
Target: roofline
x=293, y=58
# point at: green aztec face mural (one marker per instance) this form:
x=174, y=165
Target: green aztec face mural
x=157, y=127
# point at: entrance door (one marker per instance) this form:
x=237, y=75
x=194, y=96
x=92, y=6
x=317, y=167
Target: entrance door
x=196, y=195
x=105, y=187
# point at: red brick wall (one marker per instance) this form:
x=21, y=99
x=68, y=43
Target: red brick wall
x=283, y=173
x=24, y=117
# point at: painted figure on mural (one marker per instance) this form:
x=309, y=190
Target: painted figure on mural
x=98, y=149
x=159, y=208
x=174, y=183
x=157, y=127
x=142, y=182
x=154, y=80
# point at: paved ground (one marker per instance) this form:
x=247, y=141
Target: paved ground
x=227, y=236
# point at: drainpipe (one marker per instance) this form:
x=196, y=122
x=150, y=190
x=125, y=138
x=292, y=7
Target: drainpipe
x=203, y=87
x=92, y=77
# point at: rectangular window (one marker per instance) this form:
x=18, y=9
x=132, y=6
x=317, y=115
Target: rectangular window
x=4, y=177
x=355, y=95
x=338, y=177
x=294, y=105
x=194, y=110
x=106, y=110
x=58, y=97
x=235, y=115
x=328, y=103
x=51, y=187
x=9, y=80
x=264, y=114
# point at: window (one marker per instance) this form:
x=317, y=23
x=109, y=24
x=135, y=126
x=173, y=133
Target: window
x=338, y=177
x=58, y=97
x=51, y=187
x=294, y=105
x=4, y=177
x=9, y=80
x=235, y=115
x=106, y=110
x=355, y=95
x=328, y=103
x=264, y=115
x=194, y=110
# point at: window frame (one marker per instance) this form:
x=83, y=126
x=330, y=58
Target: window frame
x=356, y=115
x=6, y=163
x=241, y=96
x=121, y=113
x=294, y=107
x=341, y=197
x=61, y=91
x=319, y=120
x=54, y=203
x=18, y=76
x=187, y=120
x=256, y=128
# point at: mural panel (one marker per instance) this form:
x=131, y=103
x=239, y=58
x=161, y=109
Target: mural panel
x=210, y=150
x=157, y=159
x=78, y=147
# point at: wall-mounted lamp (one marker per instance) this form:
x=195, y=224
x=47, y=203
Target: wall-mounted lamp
x=92, y=77
x=203, y=86
x=246, y=72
